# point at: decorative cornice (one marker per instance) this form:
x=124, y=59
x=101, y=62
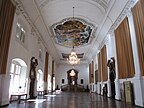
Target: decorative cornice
x=20, y=10
x=102, y=3
x=123, y=14
x=103, y=43
x=44, y=3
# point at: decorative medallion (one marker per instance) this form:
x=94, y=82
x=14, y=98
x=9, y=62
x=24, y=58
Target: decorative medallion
x=72, y=32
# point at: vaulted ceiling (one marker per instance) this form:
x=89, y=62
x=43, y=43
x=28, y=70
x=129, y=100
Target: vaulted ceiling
x=60, y=31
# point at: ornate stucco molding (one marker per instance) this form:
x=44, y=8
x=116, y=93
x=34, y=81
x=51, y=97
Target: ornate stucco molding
x=20, y=10
x=104, y=3
x=123, y=14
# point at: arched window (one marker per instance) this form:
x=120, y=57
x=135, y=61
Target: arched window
x=20, y=33
x=40, y=53
x=40, y=83
x=49, y=82
x=18, y=76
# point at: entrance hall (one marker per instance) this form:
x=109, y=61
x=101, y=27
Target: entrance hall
x=71, y=53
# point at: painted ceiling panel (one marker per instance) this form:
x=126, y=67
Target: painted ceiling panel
x=72, y=32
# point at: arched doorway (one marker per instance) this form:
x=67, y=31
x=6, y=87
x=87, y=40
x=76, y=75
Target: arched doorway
x=72, y=76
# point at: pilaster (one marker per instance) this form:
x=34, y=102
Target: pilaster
x=109, y=88
x=137, y=80
x=4, y=89
x=98, y=88
x=117, y=88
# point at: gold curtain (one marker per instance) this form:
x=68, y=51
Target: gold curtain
x=138, y=16
x=0, y=5
x=7, y=11
x=52, y=71
x=46, y=67
x=104, y=63
x=90, y=73
x=99, y=67
x=52, y=75
x=124, y=50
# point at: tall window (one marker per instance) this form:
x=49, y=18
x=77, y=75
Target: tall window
x=15, y=72
x=40, y=83
x=40, y=54
x=20, y=33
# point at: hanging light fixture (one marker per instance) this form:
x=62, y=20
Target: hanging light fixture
x=72, y=73
x=73, y=58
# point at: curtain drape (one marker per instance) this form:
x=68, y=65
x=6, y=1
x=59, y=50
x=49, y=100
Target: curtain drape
x=46, y=67
x=124, y=50
x=52, y=71
x=7, y=11
x=104, y=64
x=91, y=72
x=138, y=16
x=99, y=67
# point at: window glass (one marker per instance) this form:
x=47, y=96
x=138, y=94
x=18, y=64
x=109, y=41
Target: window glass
x=15, y=73
x=12, y=68
x=17, y=69
x=40, y=53
x=20, y=33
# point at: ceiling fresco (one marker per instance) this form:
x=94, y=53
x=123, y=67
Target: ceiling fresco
x=72, y=32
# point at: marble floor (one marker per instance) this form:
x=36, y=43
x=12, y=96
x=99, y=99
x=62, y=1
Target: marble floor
x=71, y=100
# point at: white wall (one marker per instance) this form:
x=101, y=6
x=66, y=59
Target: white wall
x=61, y=73
x=143, y=89
x=23, y=51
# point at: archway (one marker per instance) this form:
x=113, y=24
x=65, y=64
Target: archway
x=72, y=76
x=40, y=82
x=18, y=81
x=49, y=82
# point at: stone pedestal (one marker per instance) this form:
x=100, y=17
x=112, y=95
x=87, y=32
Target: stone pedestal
x=33, y=89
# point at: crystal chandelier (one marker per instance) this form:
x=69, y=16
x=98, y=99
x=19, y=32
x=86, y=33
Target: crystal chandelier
x=73, y=59
x=72, y=73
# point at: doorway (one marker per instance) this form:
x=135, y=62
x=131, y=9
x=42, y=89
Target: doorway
x=72, y=76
